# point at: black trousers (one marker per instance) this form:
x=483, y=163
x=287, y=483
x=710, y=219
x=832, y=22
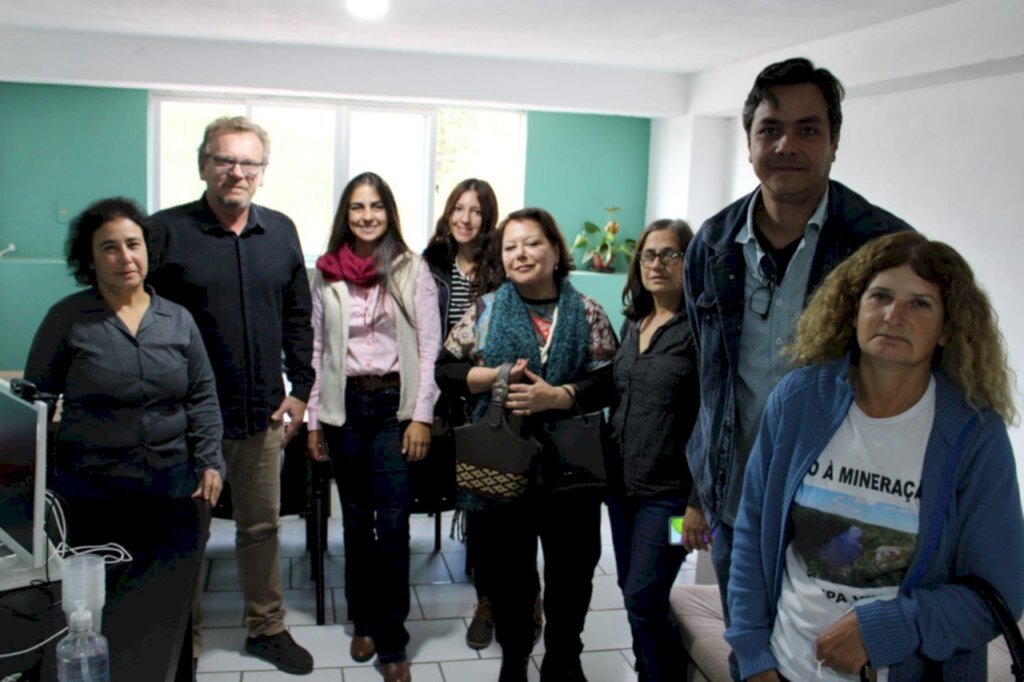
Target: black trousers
x=153, y=518
x=568, y=526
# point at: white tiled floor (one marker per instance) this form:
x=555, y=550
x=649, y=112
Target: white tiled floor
x=441, y=605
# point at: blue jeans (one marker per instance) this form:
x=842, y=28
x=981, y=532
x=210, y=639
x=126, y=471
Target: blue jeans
x=721, y=559
x=373, y=483
x=647, y=567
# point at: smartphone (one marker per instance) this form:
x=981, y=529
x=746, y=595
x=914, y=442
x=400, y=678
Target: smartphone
x=675, y=530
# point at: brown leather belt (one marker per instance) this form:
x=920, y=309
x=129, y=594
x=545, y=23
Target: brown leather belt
x=369, y=383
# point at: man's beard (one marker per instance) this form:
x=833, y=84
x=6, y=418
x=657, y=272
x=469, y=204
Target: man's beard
x=233, y=203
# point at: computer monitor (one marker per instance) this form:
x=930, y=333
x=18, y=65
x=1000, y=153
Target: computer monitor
x=22, y=483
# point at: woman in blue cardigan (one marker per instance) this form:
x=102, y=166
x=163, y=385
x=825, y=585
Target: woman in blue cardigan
x=882, y=472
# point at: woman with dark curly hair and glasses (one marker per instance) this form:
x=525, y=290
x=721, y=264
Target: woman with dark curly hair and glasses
x=140, y=428
x=881, y=475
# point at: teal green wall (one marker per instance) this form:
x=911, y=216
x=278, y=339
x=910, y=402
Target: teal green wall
x=577, y=164
x=60, y=149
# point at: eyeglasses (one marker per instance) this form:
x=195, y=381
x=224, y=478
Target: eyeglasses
x=761, y=298
x=667, y=257
x=224, y=164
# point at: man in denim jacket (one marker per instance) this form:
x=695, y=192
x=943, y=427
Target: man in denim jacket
x=749, y=271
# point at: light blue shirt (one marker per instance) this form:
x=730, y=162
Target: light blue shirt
x=761, y=363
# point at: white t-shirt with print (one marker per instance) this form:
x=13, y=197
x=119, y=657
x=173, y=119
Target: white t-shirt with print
x=854, y=530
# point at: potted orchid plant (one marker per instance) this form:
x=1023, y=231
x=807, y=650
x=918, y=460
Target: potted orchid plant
x=599, y=245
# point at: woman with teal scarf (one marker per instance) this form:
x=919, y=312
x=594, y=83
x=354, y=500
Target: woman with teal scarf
x=561, y=346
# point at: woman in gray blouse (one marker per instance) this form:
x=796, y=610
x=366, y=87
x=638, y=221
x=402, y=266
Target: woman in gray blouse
x=140, y=425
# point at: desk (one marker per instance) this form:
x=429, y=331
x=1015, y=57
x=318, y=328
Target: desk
x=146, y=619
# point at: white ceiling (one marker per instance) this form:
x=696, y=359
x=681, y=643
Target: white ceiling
x=681, y=36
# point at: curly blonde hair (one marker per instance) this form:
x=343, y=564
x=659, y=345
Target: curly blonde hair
x=974, y=356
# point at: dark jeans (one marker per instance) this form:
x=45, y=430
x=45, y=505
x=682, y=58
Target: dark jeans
x=721, y=559
x=373, y=483
x=647, y=567
x=568, y=526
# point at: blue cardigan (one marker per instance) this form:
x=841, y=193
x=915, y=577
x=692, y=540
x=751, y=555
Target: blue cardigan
x=971, y=522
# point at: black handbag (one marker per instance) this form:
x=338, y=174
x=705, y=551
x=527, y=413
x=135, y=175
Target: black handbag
x=579, y=444
x=491, y=457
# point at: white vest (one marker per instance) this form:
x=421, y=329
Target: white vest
x=335, y=342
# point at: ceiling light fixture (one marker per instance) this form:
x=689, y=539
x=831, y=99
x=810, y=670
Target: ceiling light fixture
x=367, y=9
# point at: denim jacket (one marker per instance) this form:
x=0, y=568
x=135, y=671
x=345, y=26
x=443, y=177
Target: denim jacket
x=714, y=278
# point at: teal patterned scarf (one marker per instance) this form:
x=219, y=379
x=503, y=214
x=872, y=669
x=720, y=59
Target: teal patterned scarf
x=511, y=335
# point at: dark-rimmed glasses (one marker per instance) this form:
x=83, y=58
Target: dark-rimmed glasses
x=668, y=257
x=761, y=297
x=224, y=164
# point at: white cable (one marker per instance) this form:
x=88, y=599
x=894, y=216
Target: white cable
x=37, y=645
x=111, y=552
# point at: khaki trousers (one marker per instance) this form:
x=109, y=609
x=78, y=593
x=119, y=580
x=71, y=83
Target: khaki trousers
x=254, y=472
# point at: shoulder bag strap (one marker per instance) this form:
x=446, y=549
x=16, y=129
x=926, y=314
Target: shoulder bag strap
x=1004, y=619
x=499, y=394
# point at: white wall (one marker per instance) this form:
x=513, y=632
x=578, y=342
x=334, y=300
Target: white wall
x=714, y=146
x=47, y=56
x=947, y=159
x=668, y=172
x=944, y=44
x=690, y=166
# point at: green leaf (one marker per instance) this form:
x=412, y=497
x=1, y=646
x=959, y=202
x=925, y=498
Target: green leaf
x=581, y=242
x=591, y=227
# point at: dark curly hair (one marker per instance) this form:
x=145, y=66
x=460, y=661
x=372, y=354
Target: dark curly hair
x=974, y=356
x=78, y=247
